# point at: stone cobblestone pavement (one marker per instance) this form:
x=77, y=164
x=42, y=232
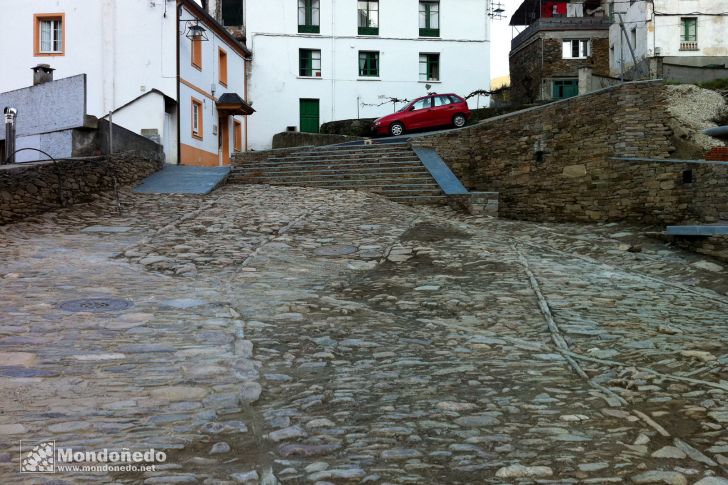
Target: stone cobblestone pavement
x=282, y=335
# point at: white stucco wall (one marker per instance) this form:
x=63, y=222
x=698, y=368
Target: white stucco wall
x=208, y=88
x=275, y=87
x=125, y=48
x=659, y=34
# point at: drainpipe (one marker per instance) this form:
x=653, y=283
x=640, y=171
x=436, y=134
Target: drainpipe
x=9, y=155
x=333, y=61
x=178, y=14
x=113, y=78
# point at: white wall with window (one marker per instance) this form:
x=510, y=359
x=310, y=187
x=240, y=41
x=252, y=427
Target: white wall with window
x=126, y=49
x=693, y=31
x=370, y=51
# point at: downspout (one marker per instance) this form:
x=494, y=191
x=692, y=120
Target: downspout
x=113, y=79
x=245, y=92
x=333, y=62
x=179, y=99
x=246, y=62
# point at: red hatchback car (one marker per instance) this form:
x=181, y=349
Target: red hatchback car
x=427, y=112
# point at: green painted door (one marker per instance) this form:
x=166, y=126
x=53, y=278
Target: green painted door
x=309, y=115
x=565, y=88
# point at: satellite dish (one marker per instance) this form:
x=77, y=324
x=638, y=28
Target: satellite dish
x=428, y=86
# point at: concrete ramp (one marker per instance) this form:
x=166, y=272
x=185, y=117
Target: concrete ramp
x=183, y=179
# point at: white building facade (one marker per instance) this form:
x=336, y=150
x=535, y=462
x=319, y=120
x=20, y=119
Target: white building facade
x=129, y=51
x=683, y=32
x=323, y=60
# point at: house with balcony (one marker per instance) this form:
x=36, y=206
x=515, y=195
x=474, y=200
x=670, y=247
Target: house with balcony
x=679, y=40
x=556, y=38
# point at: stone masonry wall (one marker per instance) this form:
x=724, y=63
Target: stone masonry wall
x=32, y=188
x=554, y=162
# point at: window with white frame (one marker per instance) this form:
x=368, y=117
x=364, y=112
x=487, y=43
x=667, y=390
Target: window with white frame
x=576, y=49
x=196, y=118
x=50, y=31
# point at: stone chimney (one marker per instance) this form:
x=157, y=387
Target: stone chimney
x=42, y=73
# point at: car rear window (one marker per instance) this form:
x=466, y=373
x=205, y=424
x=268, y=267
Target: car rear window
x=456, y=99
x=443, y=100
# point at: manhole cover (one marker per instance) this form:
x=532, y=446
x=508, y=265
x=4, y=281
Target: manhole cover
x=335, y=250
x=95, y=305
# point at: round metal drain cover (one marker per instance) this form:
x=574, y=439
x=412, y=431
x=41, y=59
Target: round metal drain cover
x=335, y=250
x=95, y=305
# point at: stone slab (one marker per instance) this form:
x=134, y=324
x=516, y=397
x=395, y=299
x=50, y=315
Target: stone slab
x=439, y=170
x=183, y=179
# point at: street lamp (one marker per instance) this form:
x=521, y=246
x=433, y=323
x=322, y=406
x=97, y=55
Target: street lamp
x=195, y=31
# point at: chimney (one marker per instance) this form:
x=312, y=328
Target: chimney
x=42, y=73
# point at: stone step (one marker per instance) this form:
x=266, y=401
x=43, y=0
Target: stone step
x=373, y=184
x=391, y=191
x=359, y=148
x=333, y=171
x=305, y=180
x=420, y=200
x=359, y=153
x=348, y=159
x=342, y=165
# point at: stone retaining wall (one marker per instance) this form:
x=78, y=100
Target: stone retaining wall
x=555, y=162
x=33, y=188
x=293, y=139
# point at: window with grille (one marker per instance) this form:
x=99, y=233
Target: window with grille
x=429, y=67
x=309, y=64
x=369, y=17
x=309, y=16
x=368, y=64
x=430, y=19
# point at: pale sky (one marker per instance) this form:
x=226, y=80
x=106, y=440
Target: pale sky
x=501, y=39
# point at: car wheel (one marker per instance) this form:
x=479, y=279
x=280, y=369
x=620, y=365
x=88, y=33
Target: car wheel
x=459, y=120
x=396, y=129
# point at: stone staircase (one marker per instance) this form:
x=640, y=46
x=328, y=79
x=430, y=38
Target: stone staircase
x=392, y=170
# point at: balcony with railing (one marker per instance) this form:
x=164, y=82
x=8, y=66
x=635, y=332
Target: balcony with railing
x=560, y=24
x=689, y=45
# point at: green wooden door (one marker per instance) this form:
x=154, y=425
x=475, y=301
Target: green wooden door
x=565, y=88
x=309, y=115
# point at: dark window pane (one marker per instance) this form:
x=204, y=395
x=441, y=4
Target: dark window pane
x=232, y=12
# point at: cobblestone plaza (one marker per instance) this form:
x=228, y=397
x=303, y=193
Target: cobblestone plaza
x=287, y=335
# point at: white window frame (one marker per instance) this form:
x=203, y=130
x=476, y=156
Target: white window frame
x=195, y=118
x=584, y=48
x=55, y=27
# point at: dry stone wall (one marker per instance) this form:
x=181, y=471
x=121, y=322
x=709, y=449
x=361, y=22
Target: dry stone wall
x=556, y=162
x=33, y=188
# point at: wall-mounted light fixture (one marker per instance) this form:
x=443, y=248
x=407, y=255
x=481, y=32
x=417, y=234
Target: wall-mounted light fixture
x=194, y=31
